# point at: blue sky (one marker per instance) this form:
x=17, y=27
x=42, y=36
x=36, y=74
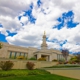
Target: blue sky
x=24, y=23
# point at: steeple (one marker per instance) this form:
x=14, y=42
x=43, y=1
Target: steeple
x=44, y=33
x=44, y=45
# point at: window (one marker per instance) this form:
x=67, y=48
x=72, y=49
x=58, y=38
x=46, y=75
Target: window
x=15, y=54
x=24, y=54
x=20, y=54
x=10, y=54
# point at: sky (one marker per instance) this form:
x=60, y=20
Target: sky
x=23, y=22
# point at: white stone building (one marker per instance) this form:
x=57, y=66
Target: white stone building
x=12, y=51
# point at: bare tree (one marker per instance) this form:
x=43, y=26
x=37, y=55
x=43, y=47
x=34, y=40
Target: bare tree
x=65, y=53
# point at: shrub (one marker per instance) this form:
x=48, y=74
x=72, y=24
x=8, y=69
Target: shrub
x=66, y=62
x=73, y=60
x=30, y=65
x=42, y=59
x=6, y=65
x=33, y=58
x=55, y=60
x=20, y=57
x=12, y=57
x=62, y=61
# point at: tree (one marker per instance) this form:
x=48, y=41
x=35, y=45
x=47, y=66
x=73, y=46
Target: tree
x=78, y=57
x=65, y=53
x=1, y=45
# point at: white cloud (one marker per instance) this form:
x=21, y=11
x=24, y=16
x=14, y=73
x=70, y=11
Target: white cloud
x=53, y=45
x=46, y=15
x=9, y=23
x=13, y=7
x=3, y=31
x=24, y=19
x=72, y=47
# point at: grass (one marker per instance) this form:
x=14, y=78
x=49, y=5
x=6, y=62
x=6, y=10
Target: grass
x=22, y=72
x=64, y=66
x=30, y=75
x=37, y=77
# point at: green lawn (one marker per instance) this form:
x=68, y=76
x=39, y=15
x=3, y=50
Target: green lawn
x=37, y=77
x=30, y=75
x=64, y=66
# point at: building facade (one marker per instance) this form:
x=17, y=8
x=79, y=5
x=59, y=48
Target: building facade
x=12, y=51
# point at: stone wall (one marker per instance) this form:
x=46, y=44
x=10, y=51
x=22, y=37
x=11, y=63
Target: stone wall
x=21, y=64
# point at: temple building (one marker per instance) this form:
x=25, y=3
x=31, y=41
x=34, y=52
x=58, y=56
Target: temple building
x=12, y=51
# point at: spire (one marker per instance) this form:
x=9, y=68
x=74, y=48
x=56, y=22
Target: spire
x=44, y=45
x=44, y=33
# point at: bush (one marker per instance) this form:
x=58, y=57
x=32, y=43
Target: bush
x=42, y=59
x=6, y=65
x=30, y=65
x=74, y=60
x=66, y=62
x=20, y=57
x=55, y=60
x=62, y=61
x=12, y=57
x=33, y=58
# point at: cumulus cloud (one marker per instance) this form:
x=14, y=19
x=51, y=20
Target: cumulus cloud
x=10, y=24
x=3, y=31
x=46, y=15
x=14, y=7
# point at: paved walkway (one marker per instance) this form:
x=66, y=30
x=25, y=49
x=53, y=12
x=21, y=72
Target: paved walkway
x=68, y=72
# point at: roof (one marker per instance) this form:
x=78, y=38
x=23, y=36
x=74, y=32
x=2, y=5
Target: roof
x=47, y=51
